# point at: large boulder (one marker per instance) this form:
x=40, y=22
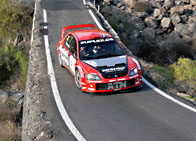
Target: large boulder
x=182, y=29
x=175, y=19
x=157, y=12
x=177, y=9
x=165, y=22
x=150, y=22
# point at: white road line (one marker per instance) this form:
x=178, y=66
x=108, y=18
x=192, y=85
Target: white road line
x=95, y=19
x=56, y=94
x=167, y=96
x=145, y=81
x=84, y=2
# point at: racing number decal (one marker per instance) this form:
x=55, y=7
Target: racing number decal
x=72, y=64
x=64, y=54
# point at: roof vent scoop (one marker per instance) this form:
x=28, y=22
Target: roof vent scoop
x=97, y=36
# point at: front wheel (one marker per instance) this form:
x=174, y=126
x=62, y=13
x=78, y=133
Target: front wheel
x=78, y=79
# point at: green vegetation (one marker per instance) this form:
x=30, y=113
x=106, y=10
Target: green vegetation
x=181, y=74
x=15, y=31
x=15, y=21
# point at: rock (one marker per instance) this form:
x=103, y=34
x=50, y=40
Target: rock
x=157, y=12
x=140, y=26
x=163, y=11
x=159, y=17
x=156, y=4
x=193, y=2
x=182, y=29
x=159, y=38
x=123, y=7
x=179, y=2
x=159, y=31
x=192, y=27
x=141, y=14
x=147, y=74
x=115, y=1
x=149, y=32
x=119, y=5
x=184, y=18
x=186, y=1
x=175, y=19
x=16, y=96
x=168, y=3
x=150, y=22
x=174, y=36
x=177, y=9
x=3, y=96
x=106, y=1
x=134, y=34
x=165, y=22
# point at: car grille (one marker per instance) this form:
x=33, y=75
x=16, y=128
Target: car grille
x=114, y=75
x=104, y=86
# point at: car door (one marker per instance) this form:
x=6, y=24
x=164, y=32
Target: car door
x=64, y=51
x=73, y=54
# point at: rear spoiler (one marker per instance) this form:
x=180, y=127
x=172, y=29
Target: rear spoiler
x=76, y=26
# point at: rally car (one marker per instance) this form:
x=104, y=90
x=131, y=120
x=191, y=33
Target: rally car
x=96, y=60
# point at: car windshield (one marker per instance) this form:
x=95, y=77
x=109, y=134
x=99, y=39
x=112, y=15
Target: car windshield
x=99, y=48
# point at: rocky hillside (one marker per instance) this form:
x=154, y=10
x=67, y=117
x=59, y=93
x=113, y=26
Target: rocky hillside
x=152, y=27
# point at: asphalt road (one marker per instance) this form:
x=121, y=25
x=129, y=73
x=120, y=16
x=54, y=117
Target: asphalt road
x=142, y=115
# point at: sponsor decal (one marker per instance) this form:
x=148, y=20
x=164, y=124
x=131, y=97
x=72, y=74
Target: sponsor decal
x=92, y=63
x=113, y=69
x=96, y=41
x=117, y=85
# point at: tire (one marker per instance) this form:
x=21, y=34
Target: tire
x=78, y=79
x=60, y=60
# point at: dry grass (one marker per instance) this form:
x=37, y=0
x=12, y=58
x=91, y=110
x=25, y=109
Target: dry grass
x=9, y=128
x=9, y=131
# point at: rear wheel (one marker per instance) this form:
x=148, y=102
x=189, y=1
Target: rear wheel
x=78, y=79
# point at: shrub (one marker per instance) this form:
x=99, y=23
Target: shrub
x=185, y=75
x=164, y=76
x=12, y=61
x=14, y=18
x=180, y=75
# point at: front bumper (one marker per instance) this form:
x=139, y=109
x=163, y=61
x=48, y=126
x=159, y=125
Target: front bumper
x=114, y=84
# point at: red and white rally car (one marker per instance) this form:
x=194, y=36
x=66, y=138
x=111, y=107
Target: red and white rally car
x=96, y=60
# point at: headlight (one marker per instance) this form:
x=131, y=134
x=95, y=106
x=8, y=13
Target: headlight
x=133, y=72
x=92, y=77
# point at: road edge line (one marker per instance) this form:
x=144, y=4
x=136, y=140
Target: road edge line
x=56, y=94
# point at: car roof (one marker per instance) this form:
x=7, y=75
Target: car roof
x=89, y=34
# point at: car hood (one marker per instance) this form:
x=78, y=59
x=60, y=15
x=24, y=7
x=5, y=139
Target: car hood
x=111, y=67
